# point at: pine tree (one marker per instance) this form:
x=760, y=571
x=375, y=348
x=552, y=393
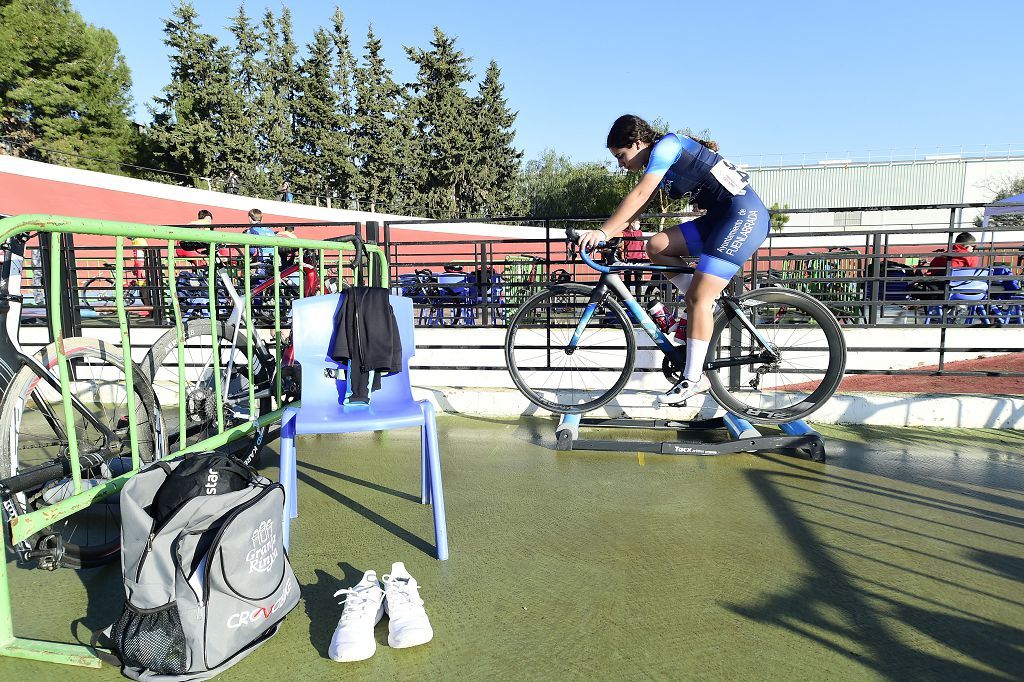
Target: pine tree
x=382, y=132
x=64, y=87
x=242, y=155
x=444, y=116
x=276, y=80
x=187, y=121
x=342, y=176
x=317, y=121
x=495, y=181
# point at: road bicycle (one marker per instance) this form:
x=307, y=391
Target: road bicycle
x=99, y=293
x=35, y=467
x=775, y=356
x=237, y=350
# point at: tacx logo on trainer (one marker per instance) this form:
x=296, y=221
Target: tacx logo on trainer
x=261, y=613
x=211, y=482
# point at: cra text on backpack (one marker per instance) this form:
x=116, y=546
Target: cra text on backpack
x=206, y=575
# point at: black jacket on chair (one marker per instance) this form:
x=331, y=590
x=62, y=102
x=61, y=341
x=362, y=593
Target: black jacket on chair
x=366, y=336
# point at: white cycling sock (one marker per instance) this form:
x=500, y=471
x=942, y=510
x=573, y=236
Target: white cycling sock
x=696, y=353
x=681, y=281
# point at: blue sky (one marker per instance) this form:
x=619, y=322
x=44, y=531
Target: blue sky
x=829, y=79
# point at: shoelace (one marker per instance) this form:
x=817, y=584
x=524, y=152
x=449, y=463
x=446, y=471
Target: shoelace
x=357, y=602
x=407, y=593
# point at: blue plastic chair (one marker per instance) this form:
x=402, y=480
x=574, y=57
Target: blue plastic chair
x=323, y=408
x=1008, y=298
x=966, y=286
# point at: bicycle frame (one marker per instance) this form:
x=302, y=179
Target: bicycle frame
x=610, y=282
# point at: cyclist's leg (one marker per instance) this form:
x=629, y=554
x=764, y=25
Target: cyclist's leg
x=730, y=236
x=730, y=241
x=672, y=247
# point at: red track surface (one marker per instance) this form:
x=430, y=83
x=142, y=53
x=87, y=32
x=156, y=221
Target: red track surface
x=989, y=385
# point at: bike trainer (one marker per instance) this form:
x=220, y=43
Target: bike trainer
x=796, y=435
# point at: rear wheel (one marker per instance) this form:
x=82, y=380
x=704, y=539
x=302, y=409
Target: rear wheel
x=562, y=380
x=803, y=369
x=32, y=424
x=161, y=367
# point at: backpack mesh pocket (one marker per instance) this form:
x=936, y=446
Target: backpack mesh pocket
x=151, y=639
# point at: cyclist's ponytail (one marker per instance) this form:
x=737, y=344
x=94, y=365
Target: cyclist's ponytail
x=710, y=144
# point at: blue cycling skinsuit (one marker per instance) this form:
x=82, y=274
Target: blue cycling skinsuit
x=736, y=222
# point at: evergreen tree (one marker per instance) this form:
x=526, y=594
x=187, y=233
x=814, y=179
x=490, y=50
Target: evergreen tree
x=64, y=87
x=382, y=132
x=342, y=175
x=495, y=181
x=187, y=125
x=242, y=155
x=444, y=116
x=318, y=128
x=276, y=85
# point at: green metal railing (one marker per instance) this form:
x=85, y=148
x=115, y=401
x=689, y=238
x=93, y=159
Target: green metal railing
x=24, y=526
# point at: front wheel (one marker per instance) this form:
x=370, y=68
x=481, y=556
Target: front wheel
x=556, y=376
x=796, y=375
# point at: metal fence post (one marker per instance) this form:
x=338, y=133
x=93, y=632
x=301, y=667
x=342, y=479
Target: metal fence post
x=876, y=269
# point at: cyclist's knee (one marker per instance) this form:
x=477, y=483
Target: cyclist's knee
x=657, y=244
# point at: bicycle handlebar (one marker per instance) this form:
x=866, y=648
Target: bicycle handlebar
x=574, y=237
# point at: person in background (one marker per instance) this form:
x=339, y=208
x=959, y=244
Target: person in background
x=633, y=251
x=231, y=186
x=288, y=256
x=961, y=256
x=263, y=254
x=203, y=218
x=195, y=251
x=285, y=191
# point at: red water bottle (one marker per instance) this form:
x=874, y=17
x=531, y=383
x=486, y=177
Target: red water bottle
x=659, y=313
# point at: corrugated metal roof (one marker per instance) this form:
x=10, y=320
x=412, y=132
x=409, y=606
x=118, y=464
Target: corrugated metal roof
x=825, y=186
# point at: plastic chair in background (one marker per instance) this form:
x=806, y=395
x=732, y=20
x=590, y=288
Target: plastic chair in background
x=323, y=409
x=966, y=287
x=519, y=275
x=457, y=298
x=1007, y=305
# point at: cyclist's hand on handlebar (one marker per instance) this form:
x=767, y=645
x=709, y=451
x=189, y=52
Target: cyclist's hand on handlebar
x=591, y=239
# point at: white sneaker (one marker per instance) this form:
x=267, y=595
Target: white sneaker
x=408, y=624
x=364, y=607
x=683, y=391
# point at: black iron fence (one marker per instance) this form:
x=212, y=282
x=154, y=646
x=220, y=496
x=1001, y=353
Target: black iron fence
x=874, y=275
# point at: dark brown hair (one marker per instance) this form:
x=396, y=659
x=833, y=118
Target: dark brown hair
x=628, y=129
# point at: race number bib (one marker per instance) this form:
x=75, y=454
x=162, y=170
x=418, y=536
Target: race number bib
x=730, y=177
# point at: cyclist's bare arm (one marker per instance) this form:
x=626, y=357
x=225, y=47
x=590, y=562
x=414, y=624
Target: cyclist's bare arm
x=630, y=208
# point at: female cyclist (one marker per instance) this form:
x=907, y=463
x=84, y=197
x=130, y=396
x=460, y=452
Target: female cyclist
x=733, y=227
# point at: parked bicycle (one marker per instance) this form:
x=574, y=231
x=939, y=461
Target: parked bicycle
x=35, y=465
x=776, y=355
x=236, y=352
x=99, y=293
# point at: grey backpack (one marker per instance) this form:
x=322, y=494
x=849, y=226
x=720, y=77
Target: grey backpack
x=206, y=578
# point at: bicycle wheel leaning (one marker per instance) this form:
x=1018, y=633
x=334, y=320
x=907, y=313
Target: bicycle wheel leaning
x=161, y=367
x=32, y=421
x=807, y=370
x=560, y=379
